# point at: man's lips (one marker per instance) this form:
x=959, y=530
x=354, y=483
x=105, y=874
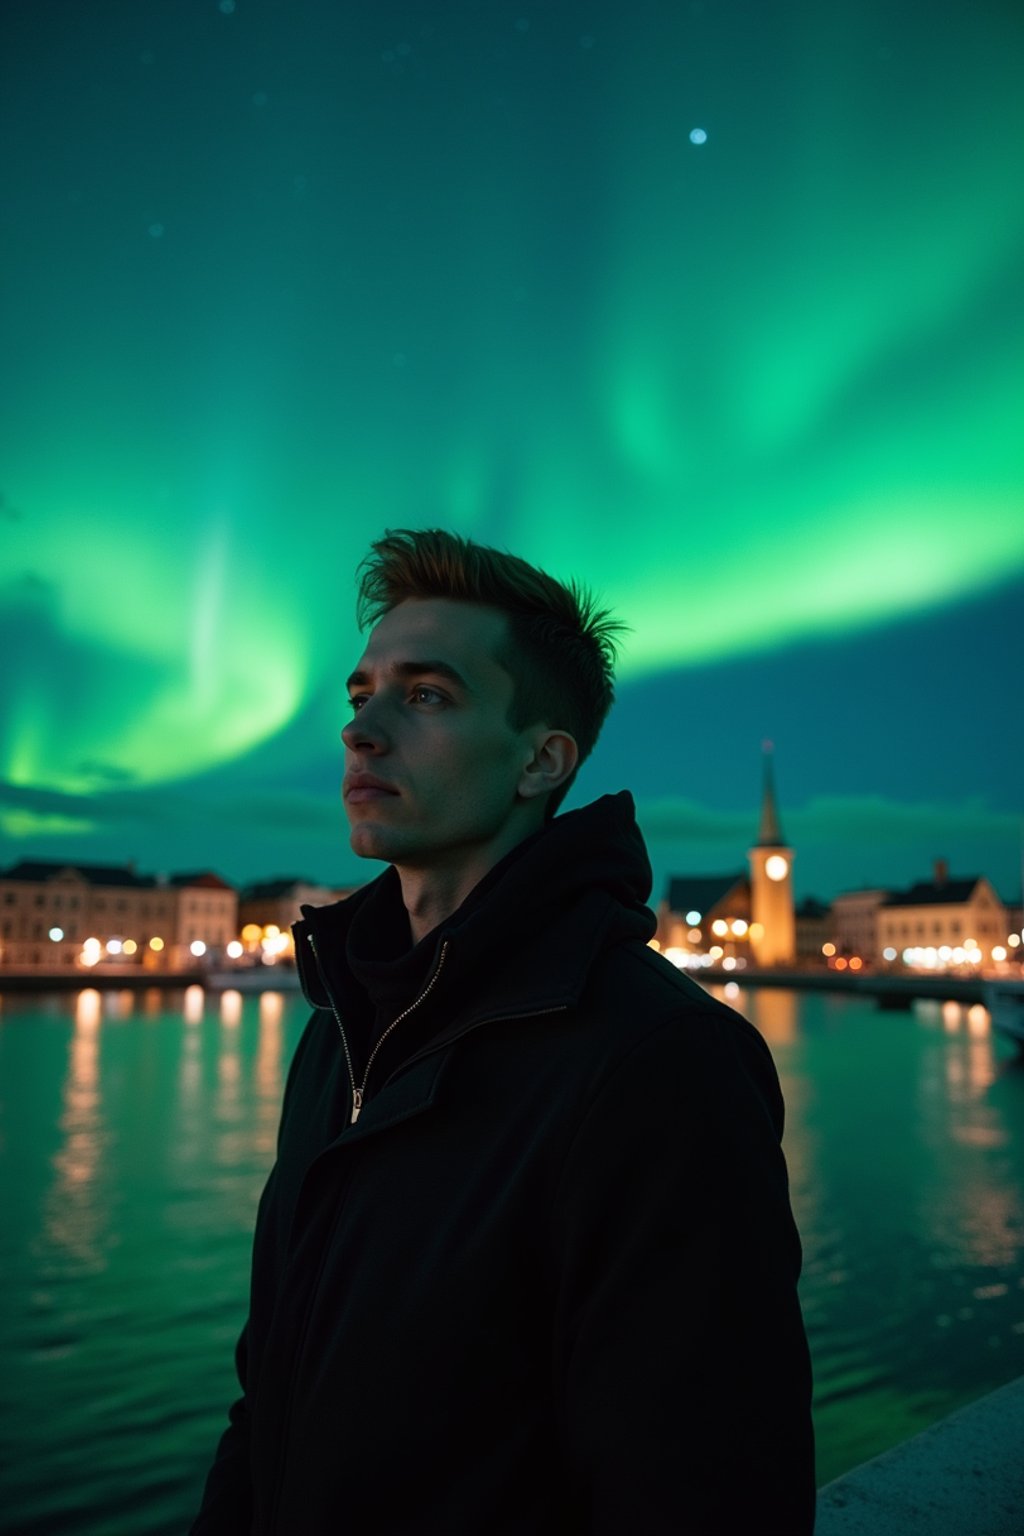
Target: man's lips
x=363, y=786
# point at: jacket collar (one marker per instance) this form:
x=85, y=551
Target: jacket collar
x=546, y=974
x=526, y=939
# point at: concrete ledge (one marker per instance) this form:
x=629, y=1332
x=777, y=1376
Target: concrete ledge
x=962, y=1477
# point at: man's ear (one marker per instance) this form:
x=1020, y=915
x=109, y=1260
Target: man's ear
x=555, y=755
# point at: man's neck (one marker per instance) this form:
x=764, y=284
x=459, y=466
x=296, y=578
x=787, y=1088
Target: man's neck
x=431, y=894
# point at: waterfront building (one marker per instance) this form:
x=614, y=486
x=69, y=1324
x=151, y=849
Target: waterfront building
x=267, y=910
x=704, y=913
x=48, y=910
x=205, y=917
x=56, y=917
x=943, y=921
x=855, y=923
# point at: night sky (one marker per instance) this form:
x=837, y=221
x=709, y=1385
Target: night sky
x=716, y=306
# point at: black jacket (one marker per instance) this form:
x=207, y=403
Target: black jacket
x=546, y=1283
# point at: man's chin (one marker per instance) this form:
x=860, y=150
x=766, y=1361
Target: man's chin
x=370, y=842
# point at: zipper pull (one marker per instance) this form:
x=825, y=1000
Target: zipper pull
x=357, y=1104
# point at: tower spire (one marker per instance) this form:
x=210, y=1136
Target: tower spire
x=770, y=835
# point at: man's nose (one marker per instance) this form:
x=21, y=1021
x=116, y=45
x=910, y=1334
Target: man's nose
x=365, y=731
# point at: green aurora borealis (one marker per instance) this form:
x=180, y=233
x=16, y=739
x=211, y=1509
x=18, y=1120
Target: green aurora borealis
x=279, y=277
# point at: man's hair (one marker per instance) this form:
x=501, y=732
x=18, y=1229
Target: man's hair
x=560, y=647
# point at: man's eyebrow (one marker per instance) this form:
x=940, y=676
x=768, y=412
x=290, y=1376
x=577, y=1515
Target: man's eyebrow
x=410, y=669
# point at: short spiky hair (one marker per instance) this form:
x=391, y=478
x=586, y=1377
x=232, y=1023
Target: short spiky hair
x=560, y=650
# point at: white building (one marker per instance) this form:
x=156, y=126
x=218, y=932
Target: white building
x=66, y=917
x=943, y=921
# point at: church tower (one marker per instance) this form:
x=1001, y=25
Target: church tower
x=772, y=925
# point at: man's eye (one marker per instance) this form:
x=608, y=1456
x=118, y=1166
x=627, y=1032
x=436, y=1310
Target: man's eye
x=424, y=695
x=357, y=700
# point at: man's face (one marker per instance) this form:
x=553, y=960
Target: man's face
x=432, y=764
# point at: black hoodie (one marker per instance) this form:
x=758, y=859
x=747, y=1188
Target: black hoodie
x=545, y=1280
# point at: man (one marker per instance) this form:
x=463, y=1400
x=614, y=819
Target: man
x=525, y=1265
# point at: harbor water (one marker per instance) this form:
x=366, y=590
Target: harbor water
x=136, y=1131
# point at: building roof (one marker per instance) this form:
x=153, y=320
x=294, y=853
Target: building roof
x=812, y=907
x=702, y=893
x=929, y=893
x=204, y=880
x=770, y=832
x=38, y=871
x=270, y=890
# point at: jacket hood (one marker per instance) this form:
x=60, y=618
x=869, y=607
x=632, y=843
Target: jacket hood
x=583, y=881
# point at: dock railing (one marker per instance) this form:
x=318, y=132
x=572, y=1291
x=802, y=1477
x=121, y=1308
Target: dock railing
x=962, y=1477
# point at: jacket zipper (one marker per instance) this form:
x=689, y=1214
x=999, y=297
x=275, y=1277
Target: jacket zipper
x=358, y=1094
x=357, y=1104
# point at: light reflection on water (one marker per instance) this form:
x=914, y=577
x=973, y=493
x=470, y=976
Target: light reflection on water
x=774, y=1011
x=136, y=1132
x=231, y=1007
x=905, y=1145
x=195, y=998
x=269, y=1072
x=74, y=1217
